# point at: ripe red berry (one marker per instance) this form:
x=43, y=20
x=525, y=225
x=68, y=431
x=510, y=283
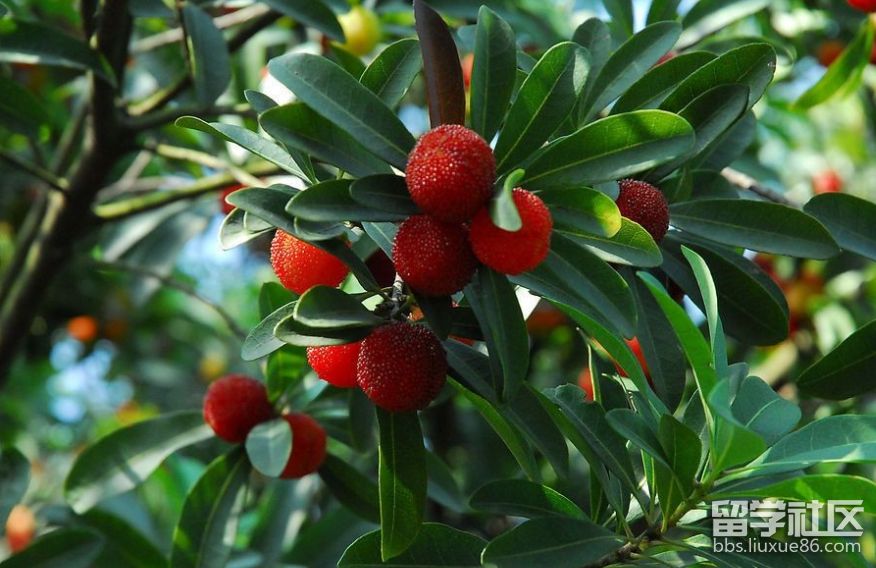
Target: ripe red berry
x=827, y=181
x=224, y=205
x=308, y=446
x=513, y=252
x=300, y=265
x=636, y=348
x=234, y=405
x=433, y=257
x=646, y=205
x=450, y=173
x=863, y=5
x=335, y=364
x=585, y=381
x=381, y=268
x=402, y=367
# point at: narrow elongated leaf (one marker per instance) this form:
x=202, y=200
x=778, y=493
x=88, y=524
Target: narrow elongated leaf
x=208, y=523
x=331, y=201
x=843, y=77
x=611, y=148
x=353, y=489
x=621, y=12
x=391, y=73
x=821, y=487
x=208, y=55
x=594, y=36
x=528, y=410
x=67, y=547
x=402, y=481
x=314, y=13
x=123, y=544
x=682, y=449
x=436, y=545
x=762, y=410
x=656, y=84
x=14, y=479
x=544, y=101
x=269, y=446
x=445, y=91
x=259, y=101
x=387, y=193
x=662, y=10
x=521, y=498
x=631, y=245
x=582, y=211
x=757, y=225
x=124, y=459
x=710, y=16
x=847, y=371
x=233, y=232
x=503, y=210
x=550, y=541
x=493, y=73
x=322, y=306
x=341, y=99
x=260, y=341
x=20, y=111
x=849, y=219
x=632, y=426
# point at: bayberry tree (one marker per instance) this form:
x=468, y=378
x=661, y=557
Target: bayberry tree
x=404, y=405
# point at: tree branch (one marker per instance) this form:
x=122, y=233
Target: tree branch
x=748, y=183
x=50, y=179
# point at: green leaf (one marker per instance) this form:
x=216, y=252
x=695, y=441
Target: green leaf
x=847, y=371
x=503, y=210
x=849, y=219
x=662, y=10
x=337, y=96
x=530, y=412
x=582, y=211
x=14, y=479
x=733, y=443
x=348, y=61
x=402, y=481
x=628, y=64
x=205, y=533
x=445, y=91
x=435, y=545
x=314, y=13
x=123, y=545
x=493, y=73
x=20, y=111
x=125, y=458
x=353, y=489
x=543, y=102
x=631, y=245
x=393, y=70
x=208, y=55
x=269, y=446
x=266, y=203
x=322, y=306
x=633, y=427
x=332, y=201
x=821, y=487
x=551, y=541
x=710, y=16
x=387, y=193
x=67, y=547
x=293, y=332
x=234, y=233
x=683, y=449
x=521, y=498
x=844, y=75
x=260, y=341
x=757, y=225
x=706, y=285
x=752, y=65
x=247, y=140
x=656, y=84
x=611, y=148
x=259, y=102
x=286, y=367
x=33, y=43
x=594, y=36
x=760, y=409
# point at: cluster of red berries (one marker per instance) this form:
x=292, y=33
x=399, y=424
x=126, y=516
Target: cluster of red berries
x=236, y=404
x=450, y=176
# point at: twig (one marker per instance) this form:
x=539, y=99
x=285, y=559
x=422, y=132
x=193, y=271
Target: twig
x=53, y=181
x=222, y=22
x=748, y=183
x=168, y=115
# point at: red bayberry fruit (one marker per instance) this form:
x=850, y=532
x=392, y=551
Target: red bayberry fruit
x=433, y=257
x=827, y=181
x=585, y=381
x=828, y=51
x=646, y=205
x=224, y=205
x=308, y=446
x=300, y=265
x=467, y=64
x=234, y=405
x=402, y=367
x=636, y=348
x=335, y=364
x=450, y=173
x=513, y=252
x=20, y=528
x=381, y=268
x=863, y=5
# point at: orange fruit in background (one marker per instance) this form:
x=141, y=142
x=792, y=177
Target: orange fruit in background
x=467, y=66
x=83, y=328
x=20, y=528
x=827, y=181
x=585, y=381
x=828, y=51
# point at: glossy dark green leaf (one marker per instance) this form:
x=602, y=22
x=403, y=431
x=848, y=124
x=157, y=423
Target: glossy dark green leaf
x=391, y=73
x=438, y=312
x=266, y=203
x=493, y=73
x=445, y=91
x=33, y=43
x=387, y=193
x=844, y=75
x=401, y=480
x=325, y=307
x=347, y=60
x=234, y=233
x=436, y=545
x=20, y=110
x=551, y=541
x=286, y=367
x=442, y=487
x=662, y=10
x=819, y=487
x=731, y=146
x=123, y=545
x=543, y=102
x=757, y=225
x=528, y=411
x=352, y=488
x=612, y=148
x=331, y=201
x=260, y=341
x=632, y=426
x=849, y=370
x=259, y=101
x=383, y=234
x=521, y=498
x=125, y=458
x=341, y=99
x=314, y=13
x=656, y=84
x=594, y=35
x=849, y=219
x=14, y=479
x=205, y=533
x=710, y=16
x=631, y=245
x=765, y=412
x=582, y=211
x=269, y=445
x=67, y=547
x=208, y=55
x=682, y=449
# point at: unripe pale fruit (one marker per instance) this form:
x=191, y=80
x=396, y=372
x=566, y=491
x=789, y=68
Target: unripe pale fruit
x=308, y=446
x=450, y=173
x=646, y=205
x=361, y=30
x=863, y=5
x=402, y=367
x=300, y=265
x=513, y=252
x=433, y=257
x=335, y=364
x=234, y=405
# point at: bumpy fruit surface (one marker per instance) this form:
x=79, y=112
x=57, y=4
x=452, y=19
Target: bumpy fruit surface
x=361, y=29
x=433, y=257
x=646, y=205
x=402, y=367
x=513, y=252
x=234, y=405
x=308, y=446
x=335, y=364
x=300, y=265
x=450, y=173
x=863, y=5
x=224, y=205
